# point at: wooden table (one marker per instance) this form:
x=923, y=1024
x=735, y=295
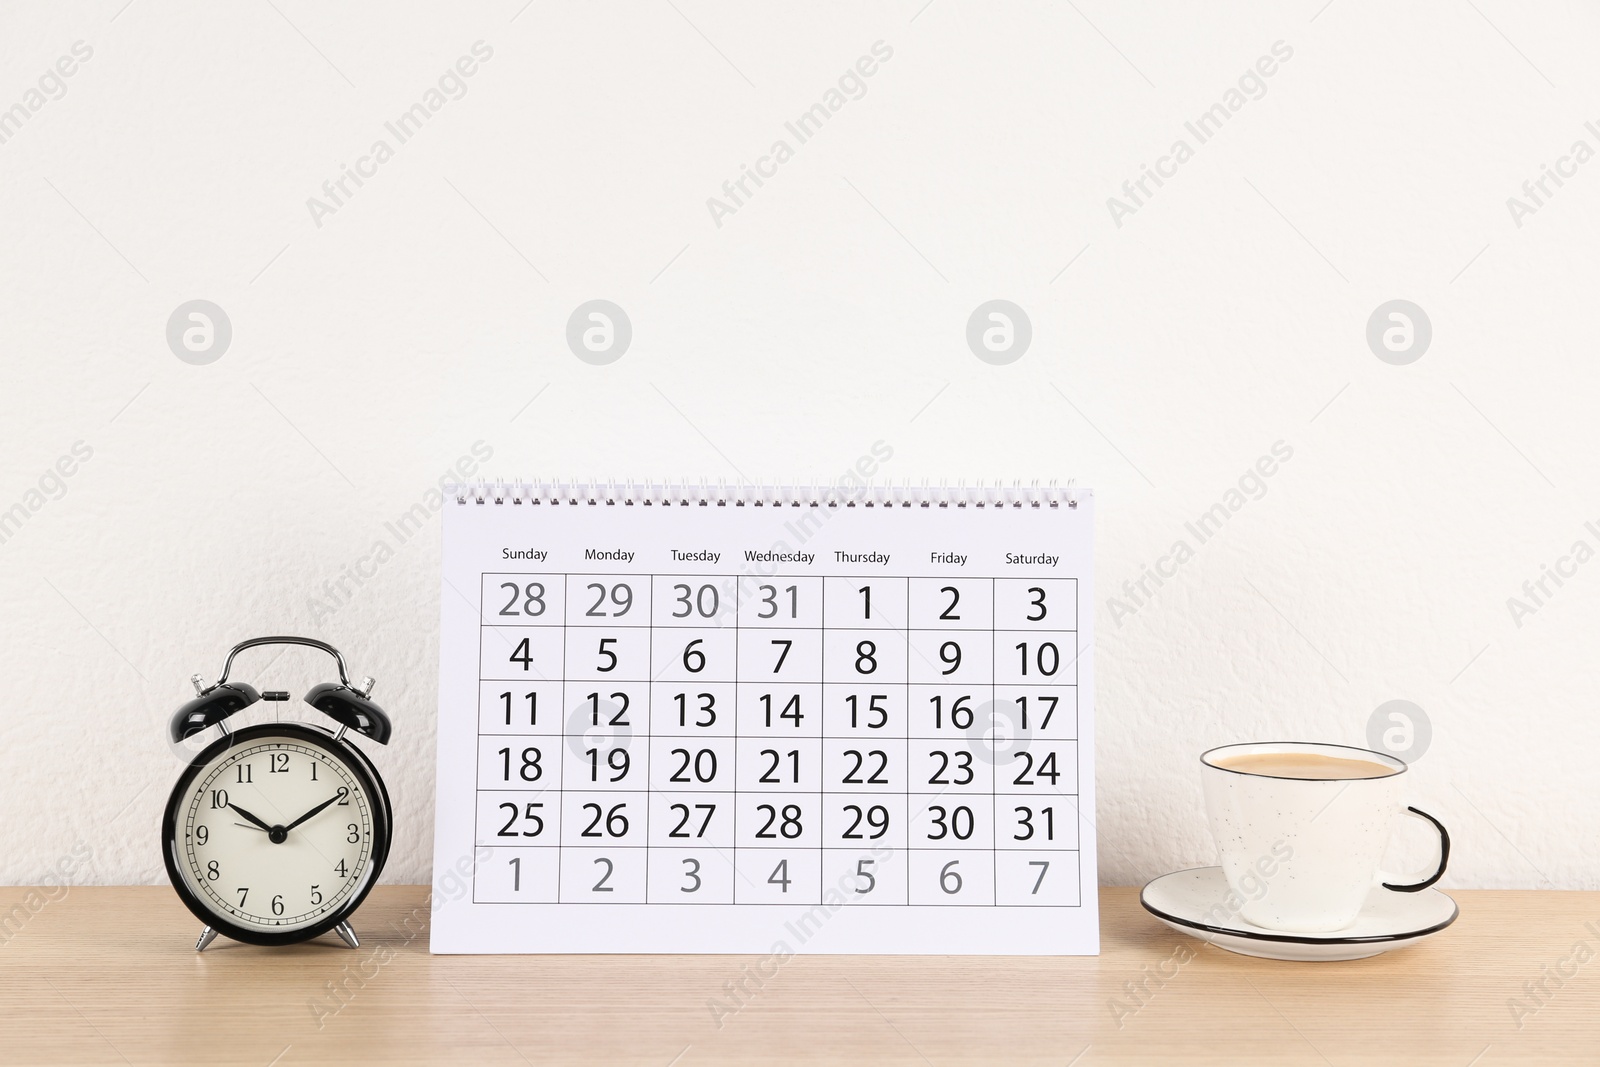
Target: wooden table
x=110, y=976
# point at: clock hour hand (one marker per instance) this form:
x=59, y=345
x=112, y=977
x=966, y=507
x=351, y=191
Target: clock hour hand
x=247, y=815
x=313, y=811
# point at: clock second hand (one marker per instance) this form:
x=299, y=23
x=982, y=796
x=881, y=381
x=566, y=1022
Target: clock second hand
x=276, y=834
x=252, y=818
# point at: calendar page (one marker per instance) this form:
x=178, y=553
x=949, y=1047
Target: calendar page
x=766, y=721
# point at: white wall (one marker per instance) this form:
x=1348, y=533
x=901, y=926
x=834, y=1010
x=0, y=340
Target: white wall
x=374, y=346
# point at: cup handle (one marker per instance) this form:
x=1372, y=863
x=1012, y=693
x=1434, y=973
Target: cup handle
x=1444, y=855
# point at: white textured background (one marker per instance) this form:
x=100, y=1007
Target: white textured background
x=371, y=352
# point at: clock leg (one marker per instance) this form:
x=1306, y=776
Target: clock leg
x=207, y=936
x=347, y=934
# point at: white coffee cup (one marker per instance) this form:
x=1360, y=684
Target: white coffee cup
x=1302, y=853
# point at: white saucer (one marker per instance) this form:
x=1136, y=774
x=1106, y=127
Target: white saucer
x=1191, y=901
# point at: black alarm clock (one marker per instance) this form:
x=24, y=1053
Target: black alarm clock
x=275, y=833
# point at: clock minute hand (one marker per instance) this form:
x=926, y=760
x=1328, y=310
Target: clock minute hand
x=312, y=812
x=247, y=815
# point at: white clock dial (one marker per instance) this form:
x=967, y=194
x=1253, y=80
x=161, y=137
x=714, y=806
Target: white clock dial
x=275, y=834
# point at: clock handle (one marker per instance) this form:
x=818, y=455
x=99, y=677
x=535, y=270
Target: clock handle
x=308, y=642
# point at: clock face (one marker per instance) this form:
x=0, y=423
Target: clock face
x=275, y=830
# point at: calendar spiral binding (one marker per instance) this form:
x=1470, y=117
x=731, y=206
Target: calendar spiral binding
x=720, y=494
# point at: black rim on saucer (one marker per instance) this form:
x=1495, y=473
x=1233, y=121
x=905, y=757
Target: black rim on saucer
x=1296, y=939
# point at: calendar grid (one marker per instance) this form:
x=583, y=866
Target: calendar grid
x=939, y=664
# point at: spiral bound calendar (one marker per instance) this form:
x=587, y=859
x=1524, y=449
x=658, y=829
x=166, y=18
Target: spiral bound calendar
x=766, y=721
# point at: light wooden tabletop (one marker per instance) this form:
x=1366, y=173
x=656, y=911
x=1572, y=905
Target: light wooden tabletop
x=110, y=976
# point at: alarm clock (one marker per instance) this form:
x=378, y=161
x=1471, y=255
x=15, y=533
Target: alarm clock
x=275, y=833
